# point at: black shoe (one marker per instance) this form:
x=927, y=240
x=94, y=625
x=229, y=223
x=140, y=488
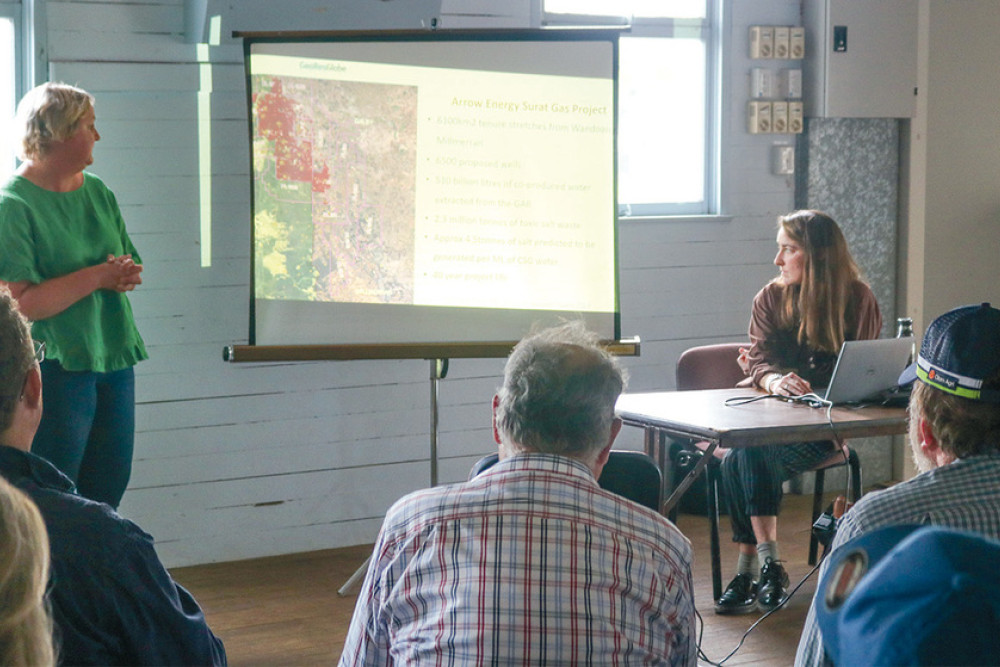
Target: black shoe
x=740, y=596
x=773, y=582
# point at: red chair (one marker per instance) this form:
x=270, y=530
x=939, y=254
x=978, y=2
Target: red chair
x=716, y=367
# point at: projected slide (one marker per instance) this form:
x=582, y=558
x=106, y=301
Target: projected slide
x=334, y=163
x=454, y=177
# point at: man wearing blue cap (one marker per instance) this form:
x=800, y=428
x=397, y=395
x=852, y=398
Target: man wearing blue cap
x=911, y=595
x=955, y=439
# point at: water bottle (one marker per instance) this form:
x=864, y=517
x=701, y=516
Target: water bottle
x=904, y=329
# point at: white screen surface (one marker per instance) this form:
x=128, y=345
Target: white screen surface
x=431, y=190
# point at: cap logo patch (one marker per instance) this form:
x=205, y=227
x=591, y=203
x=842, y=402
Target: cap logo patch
x=943, y=379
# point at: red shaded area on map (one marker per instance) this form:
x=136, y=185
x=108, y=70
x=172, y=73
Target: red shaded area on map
x=293, y=158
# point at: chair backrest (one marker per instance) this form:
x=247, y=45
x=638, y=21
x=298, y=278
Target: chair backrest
x=632, y=475
x=710, y=367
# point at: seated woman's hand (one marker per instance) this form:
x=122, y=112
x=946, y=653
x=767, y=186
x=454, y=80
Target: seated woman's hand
x=743, y=359
x=788, y=384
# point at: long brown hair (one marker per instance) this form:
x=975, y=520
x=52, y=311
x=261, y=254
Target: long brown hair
x=820, y=305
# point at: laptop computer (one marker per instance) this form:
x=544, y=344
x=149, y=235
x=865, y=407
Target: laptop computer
x=866, y=369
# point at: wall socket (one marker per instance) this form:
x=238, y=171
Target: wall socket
x=781, y=42
x=761, y=41
x=779, y=117
x=797, y=42
x=759, y=117
x=795, y=122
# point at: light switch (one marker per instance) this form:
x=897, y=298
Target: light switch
x=840, y=39
x=782, y=159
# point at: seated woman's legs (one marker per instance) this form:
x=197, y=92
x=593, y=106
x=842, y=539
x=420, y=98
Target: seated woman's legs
x=751, y=480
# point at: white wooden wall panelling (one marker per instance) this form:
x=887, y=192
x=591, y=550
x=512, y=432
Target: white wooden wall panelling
x=235, y=434
x=279, y=458
x=169, y=105
x=271, y=15
x=91, y=18
x=251, y=469
x=179, y=4
x=154, y=234
x=255, y=515
x=237, y=461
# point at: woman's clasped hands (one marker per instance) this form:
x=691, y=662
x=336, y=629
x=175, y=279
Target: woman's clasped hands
x=123, y=273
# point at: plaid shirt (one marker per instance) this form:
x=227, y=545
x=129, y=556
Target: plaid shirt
x=964, y=494
x=531, y=562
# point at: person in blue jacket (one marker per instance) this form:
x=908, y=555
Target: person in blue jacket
x=113, y=602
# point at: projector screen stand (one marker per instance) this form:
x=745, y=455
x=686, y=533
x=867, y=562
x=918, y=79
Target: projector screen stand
x=439, y=370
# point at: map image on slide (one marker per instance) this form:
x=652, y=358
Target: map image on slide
x=334, y=167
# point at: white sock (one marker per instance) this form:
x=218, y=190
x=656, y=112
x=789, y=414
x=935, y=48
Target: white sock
x=767, y=551
x=748, y=563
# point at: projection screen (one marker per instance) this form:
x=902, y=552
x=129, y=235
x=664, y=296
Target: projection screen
x=431, y=187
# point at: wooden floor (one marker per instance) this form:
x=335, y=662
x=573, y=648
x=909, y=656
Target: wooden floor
x=285, y=610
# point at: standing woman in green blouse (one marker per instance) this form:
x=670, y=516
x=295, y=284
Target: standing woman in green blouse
x=67, y=259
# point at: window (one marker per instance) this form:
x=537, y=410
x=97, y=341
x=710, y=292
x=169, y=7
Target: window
x=9, y=88
x=667, y=100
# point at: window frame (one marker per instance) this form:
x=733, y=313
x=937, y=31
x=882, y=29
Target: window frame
x=710, y=31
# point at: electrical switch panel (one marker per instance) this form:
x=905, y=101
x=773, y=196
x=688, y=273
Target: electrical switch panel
x=775, y=105
x=780, y=42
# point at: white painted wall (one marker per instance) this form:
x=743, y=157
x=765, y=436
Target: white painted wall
x=238, y=461
x=951, y=240
x=961, y=195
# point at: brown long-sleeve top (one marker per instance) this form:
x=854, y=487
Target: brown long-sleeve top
x=777, y=350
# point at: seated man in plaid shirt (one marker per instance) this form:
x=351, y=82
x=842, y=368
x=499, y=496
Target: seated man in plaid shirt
x=531, y=562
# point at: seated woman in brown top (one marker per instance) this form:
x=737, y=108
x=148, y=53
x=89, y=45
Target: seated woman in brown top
x=798, y=322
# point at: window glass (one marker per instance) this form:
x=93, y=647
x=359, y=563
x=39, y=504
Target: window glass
x=635, y=8
x=8, y=96
x=666, y=115
x=661, y=121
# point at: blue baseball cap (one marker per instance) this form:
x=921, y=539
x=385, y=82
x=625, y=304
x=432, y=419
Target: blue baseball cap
x=911, y=595
x=961, y=349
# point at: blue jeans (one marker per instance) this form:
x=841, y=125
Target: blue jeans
x=88, y=428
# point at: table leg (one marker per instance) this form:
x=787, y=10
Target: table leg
x=688, y=480
x=656, y=448
x=711, y=489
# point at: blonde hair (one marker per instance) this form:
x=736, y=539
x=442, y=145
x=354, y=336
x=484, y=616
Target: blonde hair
x=820, y=306
x=47, y=113
x=16, y=355
x=25, y=622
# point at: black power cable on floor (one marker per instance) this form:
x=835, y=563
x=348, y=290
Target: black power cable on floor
x=701, y=632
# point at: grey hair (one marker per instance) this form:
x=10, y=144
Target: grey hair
x=559, y=392
x=47, y=113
